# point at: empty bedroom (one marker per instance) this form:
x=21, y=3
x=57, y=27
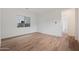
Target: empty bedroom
x=39, y=29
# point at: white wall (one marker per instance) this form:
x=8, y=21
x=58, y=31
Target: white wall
x=47, y=25
x=0, y=27
x=0, y=23
x=69, y=19
x=9, y=22
x=43, y=22
x=78, y=24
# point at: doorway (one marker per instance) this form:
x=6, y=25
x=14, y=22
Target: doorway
x=68, y=22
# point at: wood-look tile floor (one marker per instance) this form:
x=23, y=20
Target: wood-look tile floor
x=40, y=42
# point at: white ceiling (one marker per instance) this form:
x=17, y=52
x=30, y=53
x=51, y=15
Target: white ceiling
x=43, y=10
x=40, y=10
